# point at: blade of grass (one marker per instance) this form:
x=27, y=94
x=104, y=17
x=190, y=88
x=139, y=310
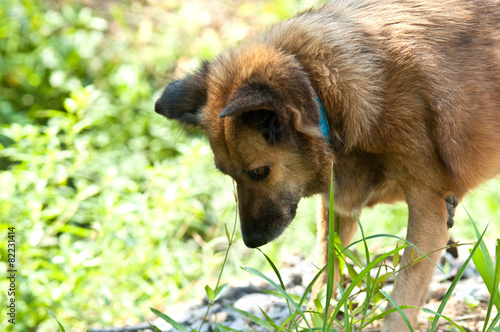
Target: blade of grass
x=221, y=327
x=218, y=291
x=347, y=322
x=210, y=293
x=296, y=298
x=57, y=320
x=385, y=313
x=398, y=309
x=483, y=261
x=423, y=255
x=494, y=295
x=362, y=274
x=253, y=318
x=489, y=272
x=454, y=284
x=310, y=286
x=276, y=271
x=317, y=316
x=288, y=322
x=279, y=289
x=351, y=255
x=331, y=253
x=169, y=320
x=363, y=238
x=368, y=279
x=155, y=328
x=494, y=322
x=270, y=321
x=370, y=293
x=438, y=314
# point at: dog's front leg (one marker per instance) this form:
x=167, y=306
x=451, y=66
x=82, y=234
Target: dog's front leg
x=345, y=227
x=427, y=230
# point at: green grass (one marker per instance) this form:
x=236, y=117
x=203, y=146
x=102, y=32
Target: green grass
x=357, y=316
x=316, y=318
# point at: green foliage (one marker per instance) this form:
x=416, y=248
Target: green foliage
x=348, y=313
x=490, y=273
x=98, y=187
x=356, y=314
x=115, y=208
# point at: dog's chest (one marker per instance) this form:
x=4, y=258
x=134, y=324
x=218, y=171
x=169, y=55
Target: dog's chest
x=360, y=181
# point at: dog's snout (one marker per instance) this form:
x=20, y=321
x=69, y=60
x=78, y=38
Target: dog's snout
x=254, y=239
x=159, y=107
x=263, y=218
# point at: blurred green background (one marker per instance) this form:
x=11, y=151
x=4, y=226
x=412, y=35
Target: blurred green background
x=116, y=209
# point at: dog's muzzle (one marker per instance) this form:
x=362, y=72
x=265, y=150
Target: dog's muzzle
x=257, y=232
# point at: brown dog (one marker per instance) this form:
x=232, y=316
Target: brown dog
x=411, y=98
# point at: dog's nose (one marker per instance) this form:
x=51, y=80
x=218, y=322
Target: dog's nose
x=159, y=107
x=254, y=239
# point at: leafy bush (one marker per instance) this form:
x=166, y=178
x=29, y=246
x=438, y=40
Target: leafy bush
x=98, y=188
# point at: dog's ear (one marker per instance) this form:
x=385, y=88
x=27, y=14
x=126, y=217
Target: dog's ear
x=252, y=97
x=276, y=113
x=258, y=106
x=183, y=100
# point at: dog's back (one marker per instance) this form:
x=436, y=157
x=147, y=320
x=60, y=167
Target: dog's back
x=408, y=75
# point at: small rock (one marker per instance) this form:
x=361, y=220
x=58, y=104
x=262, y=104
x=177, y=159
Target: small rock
x=473, y=287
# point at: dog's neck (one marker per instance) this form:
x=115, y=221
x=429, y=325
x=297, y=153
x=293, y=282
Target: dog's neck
x=324, y=125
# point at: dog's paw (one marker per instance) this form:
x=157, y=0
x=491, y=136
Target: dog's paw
x=451, y=204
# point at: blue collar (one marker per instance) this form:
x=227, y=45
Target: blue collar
x=323, y=121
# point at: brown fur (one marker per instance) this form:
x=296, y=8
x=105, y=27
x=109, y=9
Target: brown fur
x=412, y=94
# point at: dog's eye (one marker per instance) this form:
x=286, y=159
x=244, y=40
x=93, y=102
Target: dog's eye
x=259, y=173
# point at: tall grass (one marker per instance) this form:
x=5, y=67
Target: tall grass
x=358, y=315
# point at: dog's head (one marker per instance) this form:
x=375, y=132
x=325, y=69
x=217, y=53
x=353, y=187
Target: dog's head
x=259, y=111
